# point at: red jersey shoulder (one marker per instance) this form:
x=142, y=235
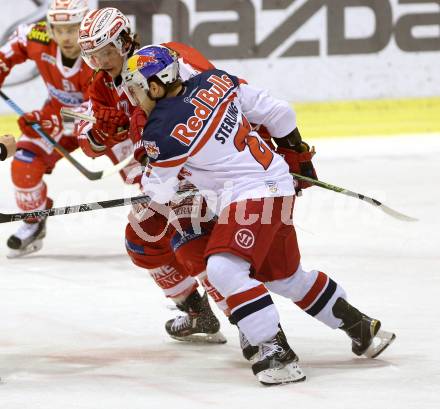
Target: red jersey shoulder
x=190, y=55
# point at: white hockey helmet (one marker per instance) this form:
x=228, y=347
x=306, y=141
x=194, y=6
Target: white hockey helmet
x=66, y=11
x=102, y=27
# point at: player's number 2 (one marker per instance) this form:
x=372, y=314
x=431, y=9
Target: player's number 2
x=258, y=149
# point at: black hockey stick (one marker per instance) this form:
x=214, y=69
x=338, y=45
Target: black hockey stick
x=390, y=212
x=85, y=207
x=37, y=128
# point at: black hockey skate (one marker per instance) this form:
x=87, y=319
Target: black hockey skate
x=198, y=325
x=28, y=239
x=367, y=337
x=277, y=363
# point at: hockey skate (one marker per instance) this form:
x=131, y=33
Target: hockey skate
x=28, y=239
x=277, y=363
x=198, y=325
x=367, y=337
x=250, y=352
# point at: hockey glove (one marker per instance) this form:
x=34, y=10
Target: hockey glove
x=50, y=124
x=111, y=126
x=4, y=69
x=300, y=162
x=137, y=125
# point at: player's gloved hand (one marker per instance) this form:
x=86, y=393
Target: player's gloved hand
x=300, y=162
x=137, y=124
x=4, y=69
x=50, y=124
x=111, y=126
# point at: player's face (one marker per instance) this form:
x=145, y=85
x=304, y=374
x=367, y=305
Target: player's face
x=108, y=59
x=66, y=36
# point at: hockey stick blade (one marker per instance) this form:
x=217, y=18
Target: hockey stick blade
x=387, y=210
x=85, y=207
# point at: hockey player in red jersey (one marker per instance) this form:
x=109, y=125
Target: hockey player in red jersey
x=106, y=39
x=202, y=125
x=52, y=45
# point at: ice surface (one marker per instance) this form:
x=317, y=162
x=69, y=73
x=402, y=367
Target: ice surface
x=81, y=327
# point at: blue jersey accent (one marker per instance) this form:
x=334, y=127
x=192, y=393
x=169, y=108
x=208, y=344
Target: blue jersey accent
x=24, y=155
x=170, y=113
x=133, y=247
x=189, y=234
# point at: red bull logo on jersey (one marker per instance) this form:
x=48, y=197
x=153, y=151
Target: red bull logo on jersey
x=204, y=102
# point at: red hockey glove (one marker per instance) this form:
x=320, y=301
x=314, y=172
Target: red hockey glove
x=4, y=69
x=300, y=163
x=50, y=124
x=111, y=126
x=137, y=124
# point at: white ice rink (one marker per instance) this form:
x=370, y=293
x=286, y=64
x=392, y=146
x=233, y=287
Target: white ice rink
x=81, y=327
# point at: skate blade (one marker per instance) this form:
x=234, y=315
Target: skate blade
x=202, y=338
x=31, y=248
x=380, y=342
x=291, y=373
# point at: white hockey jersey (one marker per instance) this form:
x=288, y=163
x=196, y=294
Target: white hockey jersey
x=204, y=134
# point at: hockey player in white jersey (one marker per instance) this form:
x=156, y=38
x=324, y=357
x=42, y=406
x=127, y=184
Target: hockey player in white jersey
x=202, y=125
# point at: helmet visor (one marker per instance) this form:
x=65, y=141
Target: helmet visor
x=102, y=58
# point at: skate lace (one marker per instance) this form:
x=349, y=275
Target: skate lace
x=26, y=230
x=182, y=321
x=268, y=349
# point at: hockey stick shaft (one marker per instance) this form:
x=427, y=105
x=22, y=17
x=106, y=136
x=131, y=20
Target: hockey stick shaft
x=84, y=207
x=69, y=113
x=391, y=212
x=36, y=127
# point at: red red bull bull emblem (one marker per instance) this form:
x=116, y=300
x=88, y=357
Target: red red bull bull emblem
x=145, y=59
x=139, y=61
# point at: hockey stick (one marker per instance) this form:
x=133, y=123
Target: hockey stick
x=87, y=173
x=70, y=113
x=87, y=207
x=390, y=212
